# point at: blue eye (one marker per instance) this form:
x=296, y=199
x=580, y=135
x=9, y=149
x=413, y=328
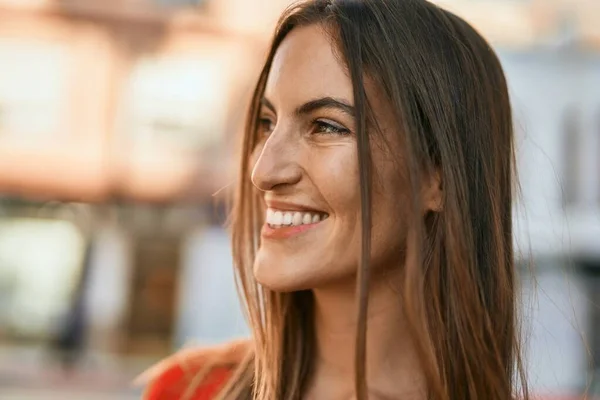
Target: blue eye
x=329, y=128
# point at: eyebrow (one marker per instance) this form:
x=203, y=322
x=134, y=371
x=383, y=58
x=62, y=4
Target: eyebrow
x=313, y=105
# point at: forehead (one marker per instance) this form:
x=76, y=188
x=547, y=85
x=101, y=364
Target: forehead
x=306, y=67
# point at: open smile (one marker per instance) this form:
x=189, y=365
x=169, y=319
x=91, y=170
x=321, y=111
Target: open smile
x=280, y=224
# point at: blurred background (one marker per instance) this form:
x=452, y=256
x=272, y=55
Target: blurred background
x=117, y=124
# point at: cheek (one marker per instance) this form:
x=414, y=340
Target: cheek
x=390, y=205
x=335, y=172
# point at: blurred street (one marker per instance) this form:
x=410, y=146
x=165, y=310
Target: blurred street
x=53, y=394
x=32, y=374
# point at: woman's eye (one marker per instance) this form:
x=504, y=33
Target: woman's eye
x=329, y=128
x=265, y=126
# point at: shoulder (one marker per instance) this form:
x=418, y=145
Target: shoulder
x=195, y=373
x=187, y=381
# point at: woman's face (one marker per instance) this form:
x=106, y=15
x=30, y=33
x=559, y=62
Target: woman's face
x=306, y=168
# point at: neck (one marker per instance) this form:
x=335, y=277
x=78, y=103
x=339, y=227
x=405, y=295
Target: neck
x=391, y=363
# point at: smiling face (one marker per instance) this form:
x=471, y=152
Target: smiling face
x=306, y=168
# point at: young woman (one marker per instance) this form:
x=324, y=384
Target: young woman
x=372, y=229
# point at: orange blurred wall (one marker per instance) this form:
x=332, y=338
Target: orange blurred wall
x=90, y=138
x=81, y=126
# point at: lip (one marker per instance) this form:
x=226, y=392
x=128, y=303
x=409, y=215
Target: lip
x=287, y=206
x=287, y=231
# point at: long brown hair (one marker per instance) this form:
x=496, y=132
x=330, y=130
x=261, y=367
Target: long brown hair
x=450, y=99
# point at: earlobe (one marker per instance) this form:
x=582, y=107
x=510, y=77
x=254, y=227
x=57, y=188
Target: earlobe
x=433, y=198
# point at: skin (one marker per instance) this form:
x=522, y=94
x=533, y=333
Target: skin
x=311, y=159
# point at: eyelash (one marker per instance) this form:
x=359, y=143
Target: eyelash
x=327, y=128
x=265, y=126
x=320, y=127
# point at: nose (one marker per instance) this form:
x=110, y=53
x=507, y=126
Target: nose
x=277, y=164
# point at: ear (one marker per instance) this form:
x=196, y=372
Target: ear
x=433, y=194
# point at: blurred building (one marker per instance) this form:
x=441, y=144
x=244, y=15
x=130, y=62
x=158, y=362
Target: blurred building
x=103, y=94
x=116, y=120
x=523, y=24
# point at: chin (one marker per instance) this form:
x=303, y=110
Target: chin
x=279, y=286
x=292, y=275
x=277, y=281
x=284, y=276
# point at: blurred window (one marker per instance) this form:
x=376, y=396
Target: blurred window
x=571, y=137
x=178, y=102
x=33, y=83
x=597, y=156
x=40, y=261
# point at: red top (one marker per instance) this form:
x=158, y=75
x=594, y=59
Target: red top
x=175, y=382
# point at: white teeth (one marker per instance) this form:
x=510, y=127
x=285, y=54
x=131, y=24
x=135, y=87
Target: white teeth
x=307, y=219
x=277, y=218
x=297, y=220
